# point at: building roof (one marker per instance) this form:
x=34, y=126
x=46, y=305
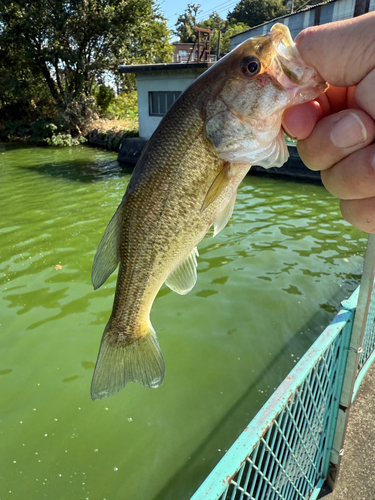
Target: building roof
x=304, y=9
x=142, y=68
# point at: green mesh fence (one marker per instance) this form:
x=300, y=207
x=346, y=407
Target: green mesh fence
x=285, y=451
x=368, y=344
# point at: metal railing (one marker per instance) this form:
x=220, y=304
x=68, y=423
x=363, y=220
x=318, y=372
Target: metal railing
x=192, y=59
x=286, y=451
x=368, y=343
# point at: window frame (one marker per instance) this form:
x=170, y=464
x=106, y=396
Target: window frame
x=162, y=94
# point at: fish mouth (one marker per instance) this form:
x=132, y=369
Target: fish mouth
x=288, y=65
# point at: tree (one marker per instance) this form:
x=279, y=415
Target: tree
x=228, y=29
x=186, y=22
x=215, y=23
x=68, y=45
x=254, y=12
x=231, y=30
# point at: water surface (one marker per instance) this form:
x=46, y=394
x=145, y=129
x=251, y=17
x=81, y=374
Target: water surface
x=267, y=286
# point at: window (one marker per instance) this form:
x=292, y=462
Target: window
x=160, y=102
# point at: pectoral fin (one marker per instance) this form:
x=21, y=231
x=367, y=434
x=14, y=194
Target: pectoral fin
x=218, y=186
x=184, y=276
x=223, y=219
x=107, y=255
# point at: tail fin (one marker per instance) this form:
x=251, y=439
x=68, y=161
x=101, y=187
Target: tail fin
x=123, y=359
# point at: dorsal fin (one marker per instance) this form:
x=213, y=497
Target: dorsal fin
x=107, y=255
x=183, y=278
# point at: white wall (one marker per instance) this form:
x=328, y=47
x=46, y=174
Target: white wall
x=154, y=81
x=343, y=10
x=308, y=20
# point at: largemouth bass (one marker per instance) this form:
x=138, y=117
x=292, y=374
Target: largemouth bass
x=185, y=181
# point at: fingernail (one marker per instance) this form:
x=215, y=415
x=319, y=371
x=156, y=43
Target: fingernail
x=348, y=131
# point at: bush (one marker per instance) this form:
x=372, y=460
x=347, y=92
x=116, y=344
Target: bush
x=41, y=130
x=12, y=129
x=78, y=114
x=47, y=132
x=64, y=140
x=123, y=106
x=77, y=119
x=104, y=96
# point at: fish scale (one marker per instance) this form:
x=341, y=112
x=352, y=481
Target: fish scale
x=186, y=180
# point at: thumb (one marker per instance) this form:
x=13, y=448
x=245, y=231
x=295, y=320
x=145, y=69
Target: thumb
x=342, y=52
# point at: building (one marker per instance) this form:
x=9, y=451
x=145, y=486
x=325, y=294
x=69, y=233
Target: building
x=183, y=52
x=322, y=13
x=158, y=86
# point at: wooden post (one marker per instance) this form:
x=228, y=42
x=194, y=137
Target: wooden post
x=199, y=41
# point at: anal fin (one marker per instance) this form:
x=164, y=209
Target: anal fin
x=184, y=276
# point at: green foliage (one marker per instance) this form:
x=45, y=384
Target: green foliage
x=231, y=30
x=104, y=95
x=254, y=12
x=77, y=114
x=69, y=45
x=61, y=140
x=246, y=14
x=41, y=130
x=186, y=23
x=47, y=132
x=54, y=53
x=124, y=106
x=12, y=129
x=216, y=23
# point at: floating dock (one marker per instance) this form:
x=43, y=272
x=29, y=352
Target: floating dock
x=131, y=149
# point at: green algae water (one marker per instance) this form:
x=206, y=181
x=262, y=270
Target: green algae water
x=267, y=286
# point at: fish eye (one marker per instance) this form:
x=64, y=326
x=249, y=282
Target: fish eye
x=250, y=66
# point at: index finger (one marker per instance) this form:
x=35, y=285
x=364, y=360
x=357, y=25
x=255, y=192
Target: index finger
x=299, y=121
x=349, y=49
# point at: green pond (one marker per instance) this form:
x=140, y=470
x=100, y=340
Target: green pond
x=267, y=286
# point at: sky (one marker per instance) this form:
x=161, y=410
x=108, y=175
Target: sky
x=173, y=8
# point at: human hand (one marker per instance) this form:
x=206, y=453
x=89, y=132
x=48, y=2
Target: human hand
x=336, y=131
